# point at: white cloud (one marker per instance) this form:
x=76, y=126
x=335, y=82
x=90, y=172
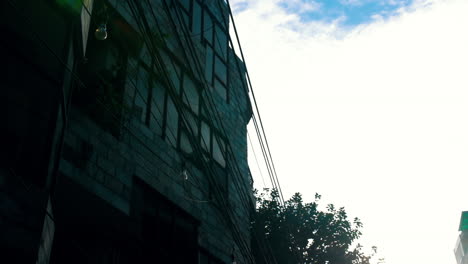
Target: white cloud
x=374, y=117
x=302, y=6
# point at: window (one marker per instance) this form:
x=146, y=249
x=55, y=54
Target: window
x=221, y=42
x=219, y=151
x=205, y=139
x=147, y=93
x=172, y=122
x=207, y=28
x=185, y=144
x=138, y=77
x=209, y=24
x=197, y=20
x=104, y=81
x=157, y=108
x=209, y=65
x=190, y=94
x=182, y=126
x=105, y=72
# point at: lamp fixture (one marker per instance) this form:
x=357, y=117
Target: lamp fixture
x=185, y=174
x=101, y=32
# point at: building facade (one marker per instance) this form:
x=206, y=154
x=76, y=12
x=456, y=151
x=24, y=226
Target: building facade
x=461, y=247
x=126, y=134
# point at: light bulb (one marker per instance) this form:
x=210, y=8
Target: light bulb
x=101, y=32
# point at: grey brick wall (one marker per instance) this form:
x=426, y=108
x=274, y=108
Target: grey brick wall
x=108, y=164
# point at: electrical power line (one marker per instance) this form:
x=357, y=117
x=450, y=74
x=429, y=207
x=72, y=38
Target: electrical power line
x=256, y=160
x=101, y=102
x=259, y=127
x=196, y=146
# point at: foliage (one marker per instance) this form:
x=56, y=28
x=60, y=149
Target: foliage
x=299, y=232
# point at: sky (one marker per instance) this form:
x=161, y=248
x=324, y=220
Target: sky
x=366, y=103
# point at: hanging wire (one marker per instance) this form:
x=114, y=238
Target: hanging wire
x=98, y=100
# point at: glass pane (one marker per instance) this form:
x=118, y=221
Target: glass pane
x=133, y=69
x=208, y=28
x=197, y=20
x=221, y=42
x=186, y=4
x=192, y=123
x=220, y=89
x=157, y=108
x=173, y=70
x=172, y=122
x=220, y=11
x=190, y=96
x=185, y=19
x=135, y=77
x=209, y=65
x=141, y=96
x=218, y=152
x=205, y=136
x=185, y=145
x=220, y=70
x=145, y=55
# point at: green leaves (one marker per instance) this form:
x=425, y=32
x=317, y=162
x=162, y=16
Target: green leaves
x=298, y=232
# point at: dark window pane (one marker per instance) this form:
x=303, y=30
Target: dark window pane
x=141, y=96
x=133, y=69
x=209, y=65
x=205, y=136
x=192, y=123
x=174, y=74
x=208, y=28
x=218, y=151
x=145, y=55
x=220, y=70
x=221, y=42
x=185, y=145
x=220, y=89
x=185, y=19
x=157, y=109
x=197, y=20
x=190, y=96
x=220, y=11
x=104, y=77
x=185, y=4
x=172, y=122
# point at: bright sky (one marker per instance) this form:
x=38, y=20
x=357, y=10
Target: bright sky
x=366, y=103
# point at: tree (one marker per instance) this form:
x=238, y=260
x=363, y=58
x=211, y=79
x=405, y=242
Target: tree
x=299, y=232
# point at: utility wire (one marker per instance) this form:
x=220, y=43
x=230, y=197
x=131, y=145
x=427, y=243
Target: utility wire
x=195, y=145
x=275, y=176
x=240, y=75
x=201, y=32
x=195, y=60
x=212, y=104
x=255, y=101
x=98, y=100
x=256, y=160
